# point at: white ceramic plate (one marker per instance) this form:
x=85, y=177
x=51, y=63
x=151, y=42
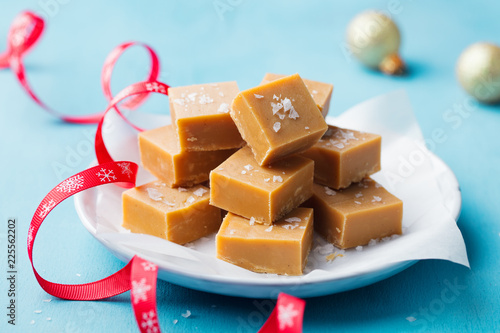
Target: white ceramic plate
x=248, y=286
x=428, y=188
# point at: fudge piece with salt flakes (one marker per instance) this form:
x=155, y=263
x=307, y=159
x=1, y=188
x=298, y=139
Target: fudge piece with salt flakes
x=343, y=156
x=239, y=185
x=281, y=248
x=278, y=118
x=180, y=215
x=200, y=115
x=321, y=92
x=162, y=157
x=354, y=216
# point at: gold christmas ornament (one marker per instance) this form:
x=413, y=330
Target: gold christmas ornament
x=478, y=71
x=374, y=39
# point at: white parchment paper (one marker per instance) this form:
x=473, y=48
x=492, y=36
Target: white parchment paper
x=428, y=188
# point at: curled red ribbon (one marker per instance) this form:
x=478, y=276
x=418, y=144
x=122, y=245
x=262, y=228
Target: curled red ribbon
x=24, y=33
x=138, y=275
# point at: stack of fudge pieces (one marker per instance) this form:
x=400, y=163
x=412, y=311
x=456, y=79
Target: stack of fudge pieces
x=275, y=168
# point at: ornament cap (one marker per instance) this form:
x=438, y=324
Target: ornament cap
x=393, y=65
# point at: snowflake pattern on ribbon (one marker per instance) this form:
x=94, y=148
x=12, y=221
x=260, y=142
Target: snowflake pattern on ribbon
x=71, y=184
x=46, y=208
x=125, y=166
x=286, y=314
x=155, y=87
x=149, y=322
x=148, y=266
x=106, y=175
x=30, y=237
x=139, y=291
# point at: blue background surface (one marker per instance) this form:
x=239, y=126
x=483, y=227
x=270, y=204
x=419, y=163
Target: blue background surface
x=197, y=45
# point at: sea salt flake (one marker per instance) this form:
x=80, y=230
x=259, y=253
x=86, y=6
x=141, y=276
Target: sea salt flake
x=190, y=200
x=347, y=135
x=47, y=300
x=339, y=145
x=358, y=195
x=329, y=191
x=192, y=139
x=181, y=189
x=277, y=126
x=359, y=248
x=293, y=114
x=232, y=231
x=175, y=321
x=252, y=220
x=48, y=319
x=199, y=192
x=372, y=242
x=338, y=230
x=248, y=167
x=324, y=249
x=221, y=94
x=411, y=319
x=37, y=311
x=281, y=116
x=293, y=219
x=32, y=322
x=205, y=99
x=276, y=97
x=179, y=101
x=269, y=229
x=154, y=194
x=187, y=314
x=377, y=185
x=267, y=180
x=192, y=96
x=168, y=203
x=277, y=179
x=243, y=172
x=290, y=226
x=314, y=91
x=376, y=199
x=258, y=96
x=307, y=127
x=302, y=227
x=223, y=108
x=276, y=107
x=287, y=104
x=357, y=202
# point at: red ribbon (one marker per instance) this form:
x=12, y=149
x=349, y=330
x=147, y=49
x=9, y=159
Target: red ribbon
x=138, y=275
x=24, y=33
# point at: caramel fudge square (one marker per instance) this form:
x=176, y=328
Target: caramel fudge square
x=241, y=186
x=344, y=156
x=163, y=158
x=200, y=115
x=180, y=215
x=278, y=118
x=281, y=248
x=355, y=215
x=321, y=92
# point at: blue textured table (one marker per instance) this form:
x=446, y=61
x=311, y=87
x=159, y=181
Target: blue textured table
x=209, y=41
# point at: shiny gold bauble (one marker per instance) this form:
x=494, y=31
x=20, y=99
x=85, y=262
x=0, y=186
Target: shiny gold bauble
x=374, y=39
x=478, y=71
